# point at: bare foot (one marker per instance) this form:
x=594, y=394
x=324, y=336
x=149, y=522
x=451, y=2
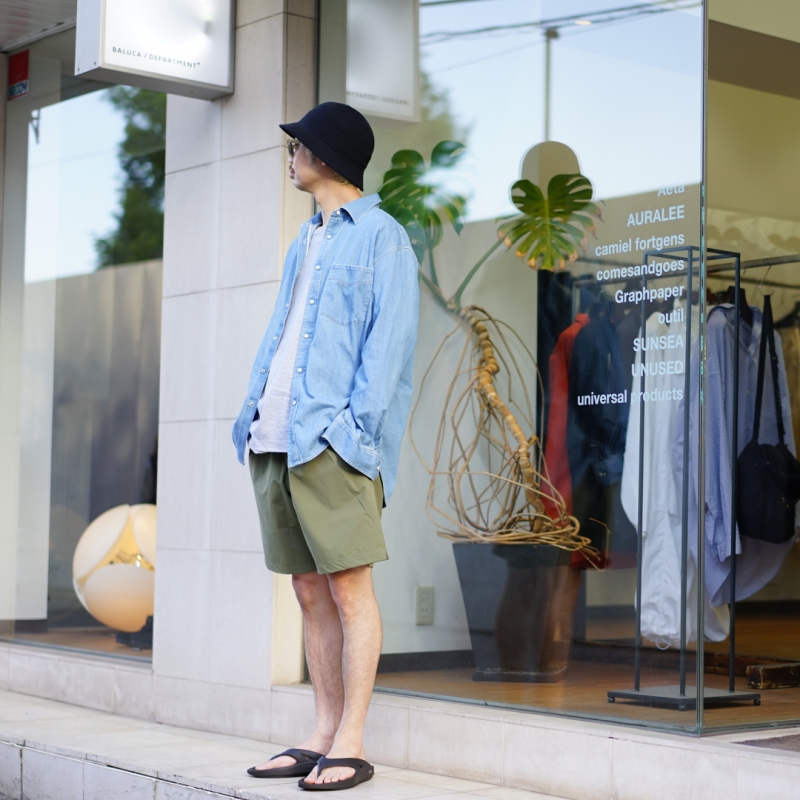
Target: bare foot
x=335, y=774
x=316, y=744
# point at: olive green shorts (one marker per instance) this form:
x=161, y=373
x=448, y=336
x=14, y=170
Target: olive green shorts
x=322, y=516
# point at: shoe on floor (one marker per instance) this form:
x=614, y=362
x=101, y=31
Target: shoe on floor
x=305, y=761
x=364, y=771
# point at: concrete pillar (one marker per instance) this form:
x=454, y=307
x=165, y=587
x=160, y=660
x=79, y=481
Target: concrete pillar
x=225, y=630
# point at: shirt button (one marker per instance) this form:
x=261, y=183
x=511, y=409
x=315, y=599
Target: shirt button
x=287, y=305
x=294, y=402
x=328, y=236
x=337, y=213
x=263, y=371
x=311, y=301
x=274, y=338
x=305, y=336
x=250, y=403
x=299, y=369
x=318, y=266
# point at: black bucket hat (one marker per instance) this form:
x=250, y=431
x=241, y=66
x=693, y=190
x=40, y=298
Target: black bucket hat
x=339, y=135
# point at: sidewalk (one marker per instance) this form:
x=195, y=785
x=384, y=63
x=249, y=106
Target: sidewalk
x=55, y=751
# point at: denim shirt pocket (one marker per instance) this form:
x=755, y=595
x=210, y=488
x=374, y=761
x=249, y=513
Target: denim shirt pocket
x=346, y=295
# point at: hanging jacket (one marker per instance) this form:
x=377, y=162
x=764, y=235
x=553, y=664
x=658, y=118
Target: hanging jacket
x=598, y=407
x=556, y=455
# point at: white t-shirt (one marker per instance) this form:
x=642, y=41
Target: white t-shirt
x=269, y=432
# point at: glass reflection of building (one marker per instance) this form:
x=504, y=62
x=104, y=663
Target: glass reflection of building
x=81, y=304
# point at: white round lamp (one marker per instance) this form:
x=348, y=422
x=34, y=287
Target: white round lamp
x=113, y=569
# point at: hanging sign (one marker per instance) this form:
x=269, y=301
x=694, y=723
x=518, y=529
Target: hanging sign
x=18, y=74
x=178, y=46
x=383, y=58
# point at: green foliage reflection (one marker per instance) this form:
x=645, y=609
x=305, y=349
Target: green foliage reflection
x=417, y=197
x=552, y=229
x=139, y=233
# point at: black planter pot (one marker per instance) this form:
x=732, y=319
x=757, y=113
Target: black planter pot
x=509, y=595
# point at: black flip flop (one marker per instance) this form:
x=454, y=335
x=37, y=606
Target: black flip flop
x=364, y=771
x=305, y=761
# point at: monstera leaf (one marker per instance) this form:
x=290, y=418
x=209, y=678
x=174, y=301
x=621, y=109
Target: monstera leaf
x=417, y=196
x=552, y=230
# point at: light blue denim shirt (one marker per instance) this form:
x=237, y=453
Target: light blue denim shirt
x=352, y=380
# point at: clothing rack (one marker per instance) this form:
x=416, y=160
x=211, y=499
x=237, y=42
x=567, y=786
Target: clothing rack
x=713, y=270
x=772, y=261
x=683, y=697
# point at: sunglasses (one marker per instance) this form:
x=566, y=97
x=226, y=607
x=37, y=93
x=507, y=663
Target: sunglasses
x=292, y=146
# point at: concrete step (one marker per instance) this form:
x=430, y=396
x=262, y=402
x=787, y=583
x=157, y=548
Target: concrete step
x=54, y=751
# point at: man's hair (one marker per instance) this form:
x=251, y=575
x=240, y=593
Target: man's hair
x=336, y=176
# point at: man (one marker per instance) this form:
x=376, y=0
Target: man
x=326, y=408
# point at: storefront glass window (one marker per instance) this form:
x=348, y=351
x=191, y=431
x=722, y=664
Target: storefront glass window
x=579, y=504
x=546, y=161
x=753, y=120
x=80, y=311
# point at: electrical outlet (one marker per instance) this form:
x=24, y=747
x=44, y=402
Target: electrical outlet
x=424, y=605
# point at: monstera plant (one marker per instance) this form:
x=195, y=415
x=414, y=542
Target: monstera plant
x=552, y=229
x=505, y=502
x=549, y=232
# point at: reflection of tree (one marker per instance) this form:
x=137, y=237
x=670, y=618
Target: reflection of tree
x=749, y=234
x=139, y=234
x=436, y=124
x=413, y=195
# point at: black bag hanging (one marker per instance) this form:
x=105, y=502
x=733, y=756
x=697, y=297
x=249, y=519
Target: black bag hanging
x=768, y=475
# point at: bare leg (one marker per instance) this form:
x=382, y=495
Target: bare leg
x=354, y=596
x=323, y=641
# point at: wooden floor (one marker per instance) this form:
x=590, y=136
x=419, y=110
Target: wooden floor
x=777, y=636
x=86, y=640
x=584, y=689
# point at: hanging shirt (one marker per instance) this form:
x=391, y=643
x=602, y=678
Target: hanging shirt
x=269, y=432
x=662, y=488
x=758, y=562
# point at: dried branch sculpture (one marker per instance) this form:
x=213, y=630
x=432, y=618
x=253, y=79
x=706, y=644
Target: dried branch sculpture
x=497, y=484
x=495, y=475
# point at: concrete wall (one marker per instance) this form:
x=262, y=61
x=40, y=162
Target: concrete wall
x=230, y=215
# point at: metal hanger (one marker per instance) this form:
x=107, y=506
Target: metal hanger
x=761, y=284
